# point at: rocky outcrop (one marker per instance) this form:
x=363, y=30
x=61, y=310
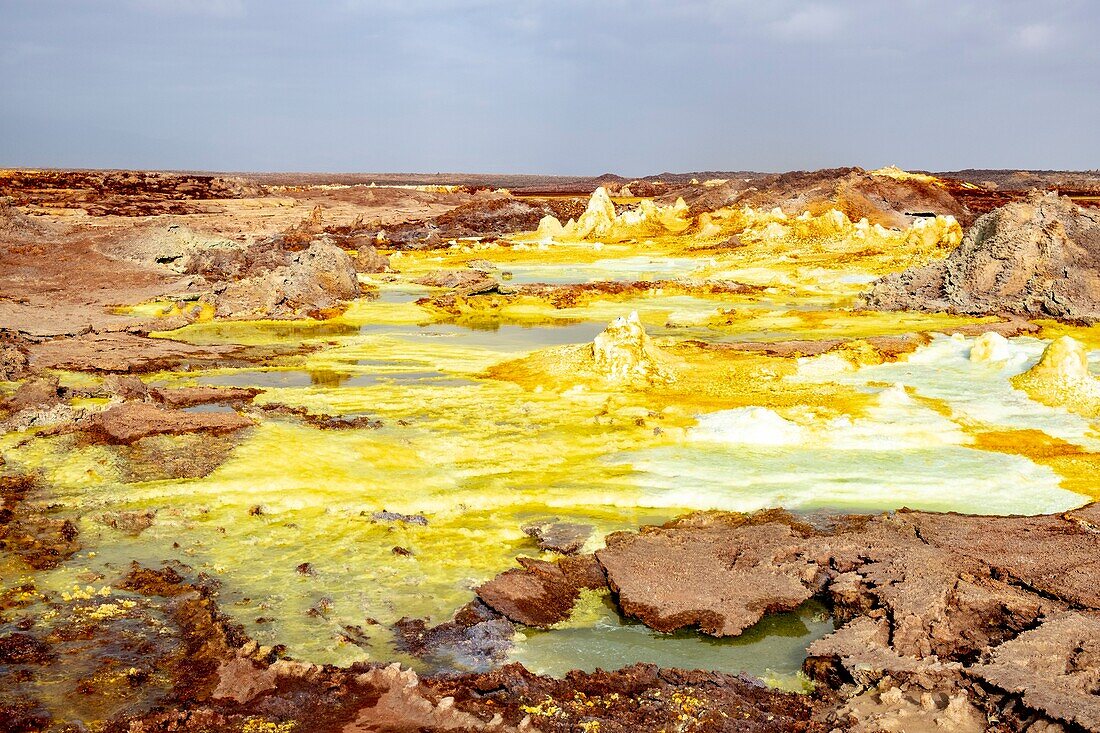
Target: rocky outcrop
x=641, y=697
x=1037, y=258
x=931, y=602
x=181, y=397
x=463, y=282
x=129, y=422
x=13, y=356
x=477, y=639
x=1052, y=667
x=369, y=259
x=316, y=282
x=485, y=218
x=564, y=537
x=128, y=352
x=226, y=263
x=277, y=277
x=749, y=573
x=123, y=193
x=37, y=402
x=174, y=246
x=888, y=196
x=15, y=222
x=542, y=593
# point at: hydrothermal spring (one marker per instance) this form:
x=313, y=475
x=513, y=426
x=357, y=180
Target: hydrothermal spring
x=482, y=434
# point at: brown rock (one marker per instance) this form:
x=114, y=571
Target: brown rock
x=315, y=282
x=1035, y=258
x=165, y=582
x=41, y=542
x=931, y=600
x=233, y=262
x=242, y=680
x=564, y=537
x=475, y=640
x=486, y=217
x=124, y=193
x=20, y=648
x=855, y=192
x=401, y=705
x=749, y=573
x=641, y=697
x=463, y=282
x=128, y=352
x=129, y=422
x=130, y=522
x=179, y=397
x=125, y=386
x=1055, y=668
x=542, y=593
x=39, y=393
x=322, y=421
x=13, y=356
x=368, y=259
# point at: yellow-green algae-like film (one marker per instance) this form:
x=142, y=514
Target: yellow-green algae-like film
x=502, y=412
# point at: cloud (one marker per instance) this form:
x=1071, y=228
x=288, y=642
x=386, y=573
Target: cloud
x=810, y=22
x=1035, y=36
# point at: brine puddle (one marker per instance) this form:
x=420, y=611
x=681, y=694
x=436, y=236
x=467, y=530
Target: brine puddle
x=773, y=649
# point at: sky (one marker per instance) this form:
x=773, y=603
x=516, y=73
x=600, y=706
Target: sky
x=573, y=87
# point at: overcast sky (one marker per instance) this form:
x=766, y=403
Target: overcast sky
x=554, y=86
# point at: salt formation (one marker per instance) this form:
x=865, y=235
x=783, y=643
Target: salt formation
x=894, y=422
x=755, y=225
x=990, y=346
x=1062, y=378
x=624, y=352
x=1038, y=257
x=758, y=426
x=599, y=222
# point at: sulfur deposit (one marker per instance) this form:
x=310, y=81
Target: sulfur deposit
x=623, y=352
x=1062, y=378
x=384, y=396
x=990, y=346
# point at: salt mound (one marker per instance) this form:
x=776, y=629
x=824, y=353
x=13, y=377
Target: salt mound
x=624, y=352
x=925, y=236
x=990, y=346
x=1062, y=378
x=748, y=426
x=1038, y=257
x=895, y=422
x=598, y=218
x=599, y=222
